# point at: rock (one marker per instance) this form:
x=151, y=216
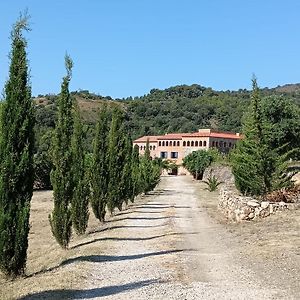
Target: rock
x=253, y=203
x=264, y=213
x=247, y=210
x=265, y=204
x=282, y=205
x=257, y=211
x=251, y=216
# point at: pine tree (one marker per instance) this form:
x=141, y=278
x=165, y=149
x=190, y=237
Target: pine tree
x=16, y=157
x=80, y=202
x=61, y=174
x=99, y=169
x=116, y=151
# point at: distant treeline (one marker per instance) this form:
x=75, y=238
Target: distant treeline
x=180, y=108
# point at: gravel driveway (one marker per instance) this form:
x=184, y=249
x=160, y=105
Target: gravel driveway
x=166, y=247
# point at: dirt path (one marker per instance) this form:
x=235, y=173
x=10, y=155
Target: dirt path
x=164, y=247
x=169, y=248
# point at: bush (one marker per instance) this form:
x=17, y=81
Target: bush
x=212, y=182
x=197, y=162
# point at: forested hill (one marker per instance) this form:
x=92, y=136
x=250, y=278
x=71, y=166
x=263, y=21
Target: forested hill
x=176, y=109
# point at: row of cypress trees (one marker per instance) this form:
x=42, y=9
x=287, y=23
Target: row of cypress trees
x=115, y=174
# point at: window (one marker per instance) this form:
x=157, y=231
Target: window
x=174, y=143
x=144, y=147
x=159, y=143
x=178, y=143
x=154, y=147
x=163, y=143
x=164, y=154
x=217, y=144
x=213, y=143
x=192, y=143
x=141, y=147
x=174, y=154
x=184, y=143
x=188, y=143
x=150, y=147
x=167, y=143
x=229, y=145
x=221, y=144
x=196, y=144
x=200, y=144
x=224, y=144
x=204, y=144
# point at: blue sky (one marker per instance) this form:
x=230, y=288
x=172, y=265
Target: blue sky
x=127, y=47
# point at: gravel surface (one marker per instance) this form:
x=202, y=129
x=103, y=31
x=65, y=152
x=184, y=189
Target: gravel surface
x=166, y=247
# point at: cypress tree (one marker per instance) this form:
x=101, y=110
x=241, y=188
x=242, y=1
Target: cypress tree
x=127, y=180
x=146, y=170
x=61, y=174
x=116, y=153
x=16, y=157
x=99, y=169
x=80, y=202
x=136, y=173
x=258, y=166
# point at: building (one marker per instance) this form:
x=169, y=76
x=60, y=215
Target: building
x=175, y=146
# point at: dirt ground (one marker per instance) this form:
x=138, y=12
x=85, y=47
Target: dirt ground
x=172, y=244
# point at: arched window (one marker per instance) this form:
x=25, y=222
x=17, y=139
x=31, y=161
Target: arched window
x=167, y=143
x=154, y=147
x=188, y=143
x=217, y=144
x=196, y=144
x=200, y=144
x=224, y=144
x=144, y=147
x=230, y=145
x=174, y=143
x=163, y=143
x=184, y=144
x=150, y=147
x=159, y=143
x=213, y=143
x=192, y=143
x=141, y=147
x=178, y=143
x=204, y=144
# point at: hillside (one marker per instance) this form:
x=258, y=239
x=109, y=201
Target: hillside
x=180, y=108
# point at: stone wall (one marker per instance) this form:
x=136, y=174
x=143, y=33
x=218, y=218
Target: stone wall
x=239, y=208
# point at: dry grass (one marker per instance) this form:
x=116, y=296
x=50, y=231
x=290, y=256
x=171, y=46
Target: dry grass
x=274, y=235
x=45, y=263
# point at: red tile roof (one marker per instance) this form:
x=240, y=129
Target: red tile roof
x=172, y=136
x=143, y=139
x=224, y=135
x=179, y=136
